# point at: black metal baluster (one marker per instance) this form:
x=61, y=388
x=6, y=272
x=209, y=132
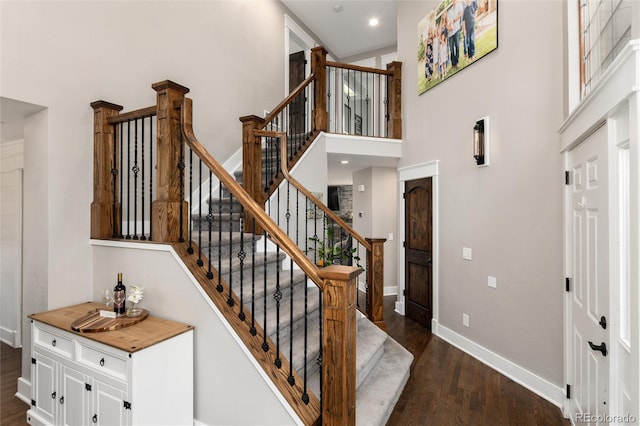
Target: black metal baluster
x=190, y=218
x=210, y=221
x=181, y=172
x=253, y=278
x=264, y=166
x=332, y=122
x=143, y=236
x=120, y=227
x=230, y=298
x=290, y=379
x=128, y=237
x=265, y=345
x=200, y=262
x=135, y=171
x=278, y=294
x=151, y=176
x=321, y=351
x=219, y=286
x=241, y=255
x=114, y=181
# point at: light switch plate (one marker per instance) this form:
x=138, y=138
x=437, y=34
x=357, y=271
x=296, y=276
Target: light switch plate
x=466, y=253
x=492, y=282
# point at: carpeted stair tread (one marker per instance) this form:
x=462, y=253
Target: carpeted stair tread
x=369, y=348
x=381, y=389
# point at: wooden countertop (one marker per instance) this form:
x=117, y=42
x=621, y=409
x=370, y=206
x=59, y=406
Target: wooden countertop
x=130, y=339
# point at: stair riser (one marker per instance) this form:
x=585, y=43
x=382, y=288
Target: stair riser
x=225, y=223
x=226, y=250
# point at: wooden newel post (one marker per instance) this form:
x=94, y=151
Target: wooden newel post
x=319, y=68
x=339, y=344
x=252, y=166
x=375, y=281
x=394, y=88
x=169, y=210
x=105, y=208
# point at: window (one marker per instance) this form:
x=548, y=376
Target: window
x=605, y=28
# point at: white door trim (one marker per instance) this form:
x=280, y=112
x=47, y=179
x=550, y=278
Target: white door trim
x=418, y=171
x=292, y=29
x=617, y=96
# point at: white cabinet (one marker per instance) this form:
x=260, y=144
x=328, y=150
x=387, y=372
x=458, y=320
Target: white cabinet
x=139, y=375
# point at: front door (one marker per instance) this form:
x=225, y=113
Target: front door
x=418, y=250
x=589, y=290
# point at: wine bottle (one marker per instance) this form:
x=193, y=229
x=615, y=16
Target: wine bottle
x=119, y=294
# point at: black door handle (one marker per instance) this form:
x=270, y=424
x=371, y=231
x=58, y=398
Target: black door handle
x=602, y=347
x=603, y=322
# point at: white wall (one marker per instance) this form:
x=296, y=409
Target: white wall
x=64, y=55
x=379, y=214
x=226, y=379
x=510, y=212
x=11, y=165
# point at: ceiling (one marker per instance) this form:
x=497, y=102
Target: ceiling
x=347, y=32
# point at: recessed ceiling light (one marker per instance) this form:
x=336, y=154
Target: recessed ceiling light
x=337, y=8
x=344, y=162
x=373, y=22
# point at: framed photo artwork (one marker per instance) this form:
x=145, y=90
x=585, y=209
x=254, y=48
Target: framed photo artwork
x=453, y=36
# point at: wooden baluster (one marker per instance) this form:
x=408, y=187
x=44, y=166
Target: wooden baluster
x=394, y=101
x=319, y=67
x=339, y=344
x=166, y=207
x=252, y=166
x=105, y=214
x=375, y=280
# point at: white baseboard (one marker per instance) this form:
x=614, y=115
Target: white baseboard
x=391, y=291
x=400, y=307
x=8, y=336
x=24, y=390
x=518, y=374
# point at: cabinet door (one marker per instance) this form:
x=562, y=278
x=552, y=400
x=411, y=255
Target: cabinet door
x=73, y=401
x=109, y=405
x=44, y=386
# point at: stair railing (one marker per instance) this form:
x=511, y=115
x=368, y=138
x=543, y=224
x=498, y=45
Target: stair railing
x=173, y=166
x=320, y=233
x=335, y=290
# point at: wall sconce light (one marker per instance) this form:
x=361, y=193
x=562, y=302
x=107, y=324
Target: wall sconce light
x=481, y=142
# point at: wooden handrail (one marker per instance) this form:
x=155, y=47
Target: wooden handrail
x=281, y=106
x=359, y=68
x=132, y=115
x=285, y=171
x=256, y=211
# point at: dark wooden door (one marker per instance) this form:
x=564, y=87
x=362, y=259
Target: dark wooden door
x=418, y=251
x=296, y=108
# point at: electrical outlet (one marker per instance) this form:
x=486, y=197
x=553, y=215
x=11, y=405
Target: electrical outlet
x=465, y=320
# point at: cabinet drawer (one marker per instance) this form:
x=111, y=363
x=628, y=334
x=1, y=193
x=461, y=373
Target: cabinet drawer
x=54, y=342
x=103, y=362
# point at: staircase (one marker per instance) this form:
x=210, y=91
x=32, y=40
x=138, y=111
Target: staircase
x=382, y=365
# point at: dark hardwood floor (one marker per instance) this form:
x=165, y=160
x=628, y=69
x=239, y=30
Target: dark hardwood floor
x=446, y=386
x=449, y=387
x=12, y=410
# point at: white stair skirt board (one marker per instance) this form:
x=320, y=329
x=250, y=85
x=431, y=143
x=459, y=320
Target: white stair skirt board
x=518, y=374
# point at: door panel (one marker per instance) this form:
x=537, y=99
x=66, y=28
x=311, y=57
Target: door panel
x=590, y=267
x=296, y=108
x=418, y=251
